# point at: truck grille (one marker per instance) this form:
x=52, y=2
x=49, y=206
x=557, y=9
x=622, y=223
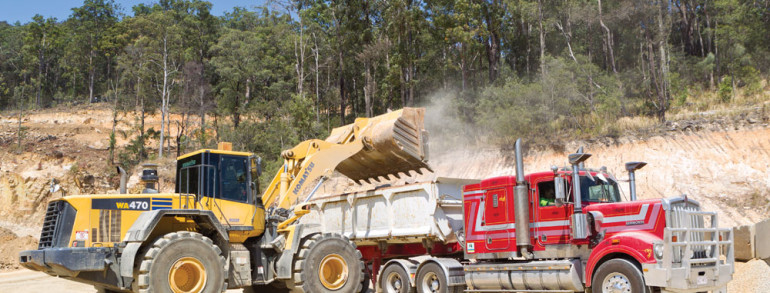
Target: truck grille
x=686, y=215
x=57, y=226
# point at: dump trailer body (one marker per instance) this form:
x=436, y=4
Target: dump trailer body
x=396, y=223
x=405, y=214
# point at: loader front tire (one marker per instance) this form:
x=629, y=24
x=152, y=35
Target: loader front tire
x=328, y=263
x=182, y=262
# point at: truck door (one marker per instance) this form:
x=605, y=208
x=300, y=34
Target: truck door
x=552, y=221
x=497, y=218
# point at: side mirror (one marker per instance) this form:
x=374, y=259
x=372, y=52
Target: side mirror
x=561, y=196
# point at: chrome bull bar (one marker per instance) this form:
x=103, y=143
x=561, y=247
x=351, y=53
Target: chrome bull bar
x=694, y=257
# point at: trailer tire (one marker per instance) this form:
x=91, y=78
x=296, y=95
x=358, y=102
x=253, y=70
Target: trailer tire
x=432, y=279
x=394, y=279
x=620, y=274
x=328, y=263
x=182, y=261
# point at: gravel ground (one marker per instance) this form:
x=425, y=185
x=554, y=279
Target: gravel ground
x=751, y=277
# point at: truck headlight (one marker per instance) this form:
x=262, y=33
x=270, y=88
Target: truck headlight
x=658, y=249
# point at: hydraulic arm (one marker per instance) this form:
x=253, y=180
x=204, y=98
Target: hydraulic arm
x=365, y=150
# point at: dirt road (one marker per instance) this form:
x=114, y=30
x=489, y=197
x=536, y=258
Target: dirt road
x=26, y=281
x=749, y=277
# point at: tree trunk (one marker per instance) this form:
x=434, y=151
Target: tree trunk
x=368, y=89
x=91, y=73
x=542, y=36
x=608, y=39
x=164, y=97
x=342, y=87
x=493, y=42
x=317, y=95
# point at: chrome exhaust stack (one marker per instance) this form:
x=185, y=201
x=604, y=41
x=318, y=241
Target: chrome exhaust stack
x=631, y=167
x=579, y=219
x=521, y=206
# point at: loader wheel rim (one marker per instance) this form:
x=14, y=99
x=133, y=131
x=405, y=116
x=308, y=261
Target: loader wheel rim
x=187, y=275
x=333, y=272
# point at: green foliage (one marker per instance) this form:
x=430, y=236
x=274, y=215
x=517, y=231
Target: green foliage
x=568, y=98
x=267, y=79
x=725, y=91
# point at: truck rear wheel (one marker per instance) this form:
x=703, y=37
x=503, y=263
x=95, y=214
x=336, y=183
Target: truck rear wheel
x=182, y=262
x=328, y=263
x=618, y=275
x=432, y=279
x=394, y=279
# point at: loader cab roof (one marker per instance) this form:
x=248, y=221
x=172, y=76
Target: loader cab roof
x=214, y=151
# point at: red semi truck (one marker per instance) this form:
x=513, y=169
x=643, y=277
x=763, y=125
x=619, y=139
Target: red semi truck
x=563, y=230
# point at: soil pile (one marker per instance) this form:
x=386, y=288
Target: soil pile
x=10, y=246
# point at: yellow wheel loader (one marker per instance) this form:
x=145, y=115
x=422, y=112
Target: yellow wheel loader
x=216, y=232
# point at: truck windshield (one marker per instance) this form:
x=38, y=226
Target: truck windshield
x=598, y=190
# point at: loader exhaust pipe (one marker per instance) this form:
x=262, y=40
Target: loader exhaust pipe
x=150, y=178
x=631, y=167
x=123, y=179
x=579, y=220
x=521, y=206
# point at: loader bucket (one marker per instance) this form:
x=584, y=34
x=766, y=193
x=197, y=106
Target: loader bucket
x=394, y=143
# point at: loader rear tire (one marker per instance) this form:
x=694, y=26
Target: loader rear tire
x=182, y=262
x=328, y=263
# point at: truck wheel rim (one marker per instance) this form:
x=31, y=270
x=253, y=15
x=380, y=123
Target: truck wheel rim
x=430, y=283
x=616, y=283
x=187, y=275
x=393, y=283
x=333, y=272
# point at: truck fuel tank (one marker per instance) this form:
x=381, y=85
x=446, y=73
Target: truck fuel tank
x=534, y=275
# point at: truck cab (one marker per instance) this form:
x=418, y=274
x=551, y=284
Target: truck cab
x=584, y=233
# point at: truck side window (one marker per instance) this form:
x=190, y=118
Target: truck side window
x=233, y=176
x=547, y=193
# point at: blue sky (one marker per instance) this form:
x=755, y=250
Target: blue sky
x=23, y=10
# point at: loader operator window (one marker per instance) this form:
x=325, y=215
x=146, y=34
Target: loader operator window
x=194, y=177
x=235, y=183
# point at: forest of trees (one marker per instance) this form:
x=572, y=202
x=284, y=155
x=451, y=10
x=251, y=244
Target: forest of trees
x=268, y=77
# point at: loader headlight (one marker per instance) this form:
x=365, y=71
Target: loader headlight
x=658, y=249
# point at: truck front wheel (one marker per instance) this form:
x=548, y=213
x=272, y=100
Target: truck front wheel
x=182, y=262
x=618, y=275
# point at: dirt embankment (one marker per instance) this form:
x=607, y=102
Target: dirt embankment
x=10, y=246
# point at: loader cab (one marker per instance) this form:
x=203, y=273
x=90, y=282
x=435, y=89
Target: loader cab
x=217, y=174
